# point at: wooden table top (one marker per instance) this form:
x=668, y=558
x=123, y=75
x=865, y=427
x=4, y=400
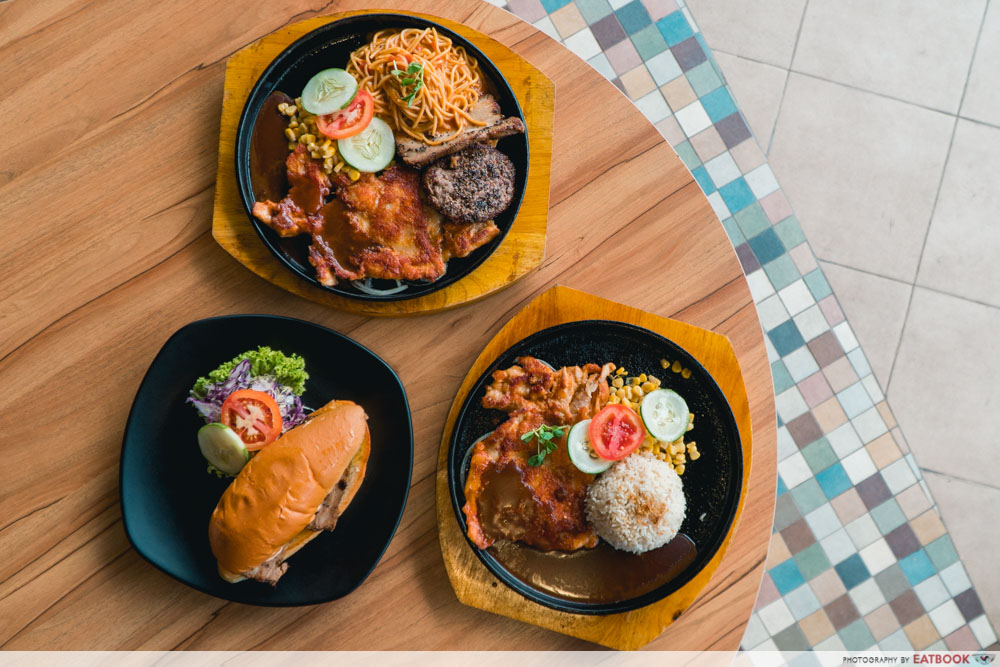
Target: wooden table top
x=106, y=187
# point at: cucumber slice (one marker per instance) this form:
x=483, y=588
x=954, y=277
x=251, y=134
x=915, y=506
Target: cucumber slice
x=370, y=150
x=330, y=90
x=665, y=414
x=581, y=453
x=222, y=448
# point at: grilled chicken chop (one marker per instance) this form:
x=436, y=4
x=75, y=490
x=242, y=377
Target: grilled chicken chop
x=296, y=213
x=376, y=227
x=491, y=125
x=506, y=497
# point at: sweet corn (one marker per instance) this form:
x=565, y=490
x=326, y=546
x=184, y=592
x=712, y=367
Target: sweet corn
x=353, y=174
x=664, y=363
x=637, y=392
x=642, y=377
x=290, y=134
x=617, y=382
x=695, y=455
x=634, y=382
x=647, y=387
x=676, y=367
x=655, y=380
x=679, y=469
x=614, y=400
x=686, y=373
x=620, y=371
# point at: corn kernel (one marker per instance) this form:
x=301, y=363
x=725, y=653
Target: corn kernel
x=691, y=446
x=664, y=363
x=290, y=134
x=637, y=392
x=354, y=174
x=617, y=382
x=647, y=387
x=686, y=373
x=614, y=400
x=620, y=371
x=642, y=377
x=679, y=469
x=695, y=455
x=676, y=367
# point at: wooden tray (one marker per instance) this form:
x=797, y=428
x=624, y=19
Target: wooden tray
x=520, y=252
x=473, y=583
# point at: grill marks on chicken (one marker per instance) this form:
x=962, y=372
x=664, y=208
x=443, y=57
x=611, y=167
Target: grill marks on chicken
x=506, y=497
x=376, y=227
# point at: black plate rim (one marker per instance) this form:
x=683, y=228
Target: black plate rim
x=244, y=133
x=128, y=427
x=733, y=500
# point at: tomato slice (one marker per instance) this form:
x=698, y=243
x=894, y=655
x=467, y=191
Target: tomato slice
x=254, y=416
x=615, y=432
x=350, y=121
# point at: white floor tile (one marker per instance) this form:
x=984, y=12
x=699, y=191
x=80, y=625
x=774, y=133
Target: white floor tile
x=876, y=308
x=764, y=31
x=982, y=98
x=949, y=344
x=861, y=172
x=916, y=50
x=963, y=243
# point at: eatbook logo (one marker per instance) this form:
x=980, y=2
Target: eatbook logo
x=983, y=658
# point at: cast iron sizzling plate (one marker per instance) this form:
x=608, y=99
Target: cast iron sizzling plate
x=167, y=496
x=330, y=46
x=711, y=484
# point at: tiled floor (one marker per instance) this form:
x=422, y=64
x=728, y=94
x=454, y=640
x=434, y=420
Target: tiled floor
x=882, y=124
x=859, y=557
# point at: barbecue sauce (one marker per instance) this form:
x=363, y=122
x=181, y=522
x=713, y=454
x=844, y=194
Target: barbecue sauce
x=269, y=149
x=598, y=576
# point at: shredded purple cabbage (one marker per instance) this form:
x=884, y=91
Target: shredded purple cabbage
x=210, y=405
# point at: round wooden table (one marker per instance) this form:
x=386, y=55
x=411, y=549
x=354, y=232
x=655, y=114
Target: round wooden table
x=107, y=187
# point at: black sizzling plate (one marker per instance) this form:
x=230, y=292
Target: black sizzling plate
x=167, y=496
x=330, y=46
x=711, y=484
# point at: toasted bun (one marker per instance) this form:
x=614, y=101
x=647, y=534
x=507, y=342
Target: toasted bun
x=276, y=495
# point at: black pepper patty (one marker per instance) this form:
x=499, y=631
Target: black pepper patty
x=473, y=185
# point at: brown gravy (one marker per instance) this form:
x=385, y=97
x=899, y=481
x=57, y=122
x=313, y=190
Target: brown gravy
x=505, y=505
x=600, y=575
x=269, y=149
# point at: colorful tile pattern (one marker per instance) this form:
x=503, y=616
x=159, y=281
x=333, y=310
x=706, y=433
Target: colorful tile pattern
x=859, y=557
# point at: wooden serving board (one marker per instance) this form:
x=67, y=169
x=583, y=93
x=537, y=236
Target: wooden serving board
x=520, y=252
x=475, y=585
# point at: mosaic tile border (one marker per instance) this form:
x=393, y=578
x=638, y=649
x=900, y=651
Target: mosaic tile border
x=859, y=557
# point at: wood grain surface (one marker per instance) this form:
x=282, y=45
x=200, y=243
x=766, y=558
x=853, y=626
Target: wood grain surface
x=522, y=249
x=106, y=205
x=476, y=586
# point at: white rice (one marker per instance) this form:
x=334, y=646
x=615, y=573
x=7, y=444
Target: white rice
x=638, y=505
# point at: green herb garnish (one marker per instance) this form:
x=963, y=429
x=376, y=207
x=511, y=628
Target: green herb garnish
x=544, y=436
x=411, y=76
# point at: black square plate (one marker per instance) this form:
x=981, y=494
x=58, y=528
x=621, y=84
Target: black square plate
x=167, y=496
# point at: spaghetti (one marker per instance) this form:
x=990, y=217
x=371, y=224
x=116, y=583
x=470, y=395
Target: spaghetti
x=422, y=84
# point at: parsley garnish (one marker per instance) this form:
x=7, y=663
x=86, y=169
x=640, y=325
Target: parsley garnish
x=411, y=76
x=544, y=436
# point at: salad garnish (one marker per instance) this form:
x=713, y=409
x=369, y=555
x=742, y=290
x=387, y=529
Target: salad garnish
x=544, y=435
x=255, y=398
